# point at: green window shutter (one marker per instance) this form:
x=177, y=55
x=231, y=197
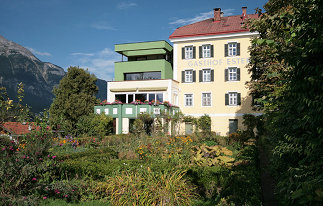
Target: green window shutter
x=212, y=75
x=200, y=76
x=200, y=51
x=239, y=98
x=194, y=76
x=238, y=74
x=226, y=99
x=226, y=75
x=183, y=76
x=194, y=52
x=183, y=53
x=226, y=50
x=212, y=51
x=238, y=49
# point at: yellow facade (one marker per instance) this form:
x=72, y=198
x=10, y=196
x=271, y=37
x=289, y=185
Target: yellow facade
x=219, y=112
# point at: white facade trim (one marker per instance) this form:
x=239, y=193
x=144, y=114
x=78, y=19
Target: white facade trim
x=224, y=114
x=175, y=62
x=208, y=37
x=169, y=92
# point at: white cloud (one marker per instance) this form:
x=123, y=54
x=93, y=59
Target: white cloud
x=126, y=5
x=200, y=17
x=100, y=63
x=228, y=12
x=34, y=51
x=102, y=26
x=82, y=54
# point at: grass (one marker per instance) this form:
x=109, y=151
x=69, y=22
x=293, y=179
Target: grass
x=56, y=202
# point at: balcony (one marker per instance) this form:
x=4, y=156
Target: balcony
x=120, y=112
x=158, y=65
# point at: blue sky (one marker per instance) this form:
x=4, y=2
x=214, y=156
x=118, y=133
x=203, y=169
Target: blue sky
x=83, y=32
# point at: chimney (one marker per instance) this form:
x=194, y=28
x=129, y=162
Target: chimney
x=244, y=11
x=217, y=14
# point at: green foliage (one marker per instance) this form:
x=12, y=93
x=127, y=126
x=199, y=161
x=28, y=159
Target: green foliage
x=242, y=186
x=25, y=167
x=13, y=110
x=286, y=68
x=75, y=97
x=94, y=125
x=204, y=123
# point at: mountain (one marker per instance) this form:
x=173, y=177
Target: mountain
x=18, y=64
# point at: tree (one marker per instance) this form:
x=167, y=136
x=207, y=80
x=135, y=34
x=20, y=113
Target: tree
x=13, y=110
x=286, y=69
x=75, y=97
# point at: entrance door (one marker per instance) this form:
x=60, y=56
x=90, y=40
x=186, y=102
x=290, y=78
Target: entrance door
x=188, y=128
x=233, y=125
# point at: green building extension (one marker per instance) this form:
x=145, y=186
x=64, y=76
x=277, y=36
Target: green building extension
x=146, y=60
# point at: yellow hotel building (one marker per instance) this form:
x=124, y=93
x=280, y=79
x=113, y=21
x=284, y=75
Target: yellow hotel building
x=210, y=60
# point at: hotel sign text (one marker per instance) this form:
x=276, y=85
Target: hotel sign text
x=218, y=62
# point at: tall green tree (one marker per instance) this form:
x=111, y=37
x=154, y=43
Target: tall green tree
x=75, y=97
x=287, y=74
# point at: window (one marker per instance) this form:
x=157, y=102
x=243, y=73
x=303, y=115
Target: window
x=206, y=99
x=232, y=49
x=232, y=74
x=206, y=51
x=142, y=75
x=188, y=99
x=121, y=97
x=189, y=76
x=206, y=75
x=189, y=52
x=233, y=99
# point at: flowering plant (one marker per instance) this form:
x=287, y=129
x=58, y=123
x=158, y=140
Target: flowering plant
x=166, y=103
x=117, y=102
x=157, y=102
x=137, y=101
x=105, y=102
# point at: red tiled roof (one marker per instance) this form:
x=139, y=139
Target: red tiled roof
x=228, y=24
x=18, y=128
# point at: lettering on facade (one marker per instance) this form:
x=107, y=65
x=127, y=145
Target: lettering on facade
x=218, y=62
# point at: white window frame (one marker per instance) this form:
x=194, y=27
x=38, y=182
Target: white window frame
x=206, y=51
x=188, y=76
x=208, y=99
x=232, y=74
x=233, y=98
x=206, y=75
x=186, y=98
x=232, y=49
x=188, y=52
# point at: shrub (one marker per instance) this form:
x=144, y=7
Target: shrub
x=204, y=124
x=98, y=125
x=243, y=183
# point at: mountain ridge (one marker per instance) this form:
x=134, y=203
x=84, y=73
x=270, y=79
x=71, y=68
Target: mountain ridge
x=18, y=64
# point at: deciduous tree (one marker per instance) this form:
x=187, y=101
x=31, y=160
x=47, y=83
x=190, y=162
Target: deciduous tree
x=287, y=73
x=75, y=97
